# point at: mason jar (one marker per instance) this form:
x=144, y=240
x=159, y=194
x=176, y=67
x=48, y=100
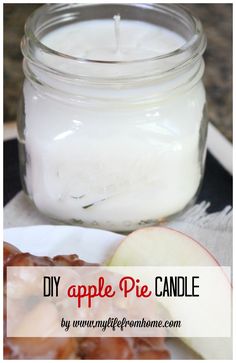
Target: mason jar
x=113, y=138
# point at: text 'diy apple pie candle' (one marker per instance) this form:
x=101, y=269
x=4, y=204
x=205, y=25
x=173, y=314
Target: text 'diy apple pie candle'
x=112, y=130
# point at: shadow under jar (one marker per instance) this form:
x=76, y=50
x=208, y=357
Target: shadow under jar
x=112, y=128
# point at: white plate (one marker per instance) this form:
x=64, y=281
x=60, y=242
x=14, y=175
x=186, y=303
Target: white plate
x=92, y=245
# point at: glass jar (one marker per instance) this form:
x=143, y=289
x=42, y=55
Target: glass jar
x=112, y=144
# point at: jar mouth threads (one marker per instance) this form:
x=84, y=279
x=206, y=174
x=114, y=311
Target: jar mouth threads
x=50, y=17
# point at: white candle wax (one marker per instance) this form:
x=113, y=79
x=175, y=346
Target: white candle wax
x=114, y=39
x=113, y=165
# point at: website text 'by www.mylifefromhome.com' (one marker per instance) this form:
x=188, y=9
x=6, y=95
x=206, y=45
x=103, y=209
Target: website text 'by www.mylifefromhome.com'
x=121, y=324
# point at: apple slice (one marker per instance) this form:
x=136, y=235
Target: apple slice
x=159, y=246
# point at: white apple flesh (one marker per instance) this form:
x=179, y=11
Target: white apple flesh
x=159, y=246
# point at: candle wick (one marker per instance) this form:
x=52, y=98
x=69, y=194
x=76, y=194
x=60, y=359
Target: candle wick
x=117, y=31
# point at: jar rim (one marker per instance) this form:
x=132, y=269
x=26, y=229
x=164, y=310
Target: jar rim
x=193, y=48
